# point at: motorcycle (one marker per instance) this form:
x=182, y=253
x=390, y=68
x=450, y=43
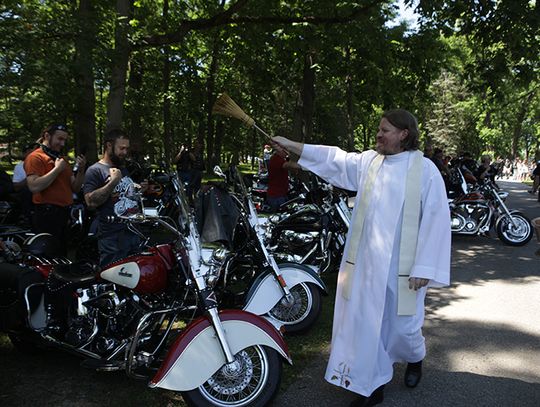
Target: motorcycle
x=476, y=212
x=152, y=314
x=288, y=294
x=311, y=233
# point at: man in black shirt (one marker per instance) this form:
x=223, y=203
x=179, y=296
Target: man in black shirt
x=109, y=189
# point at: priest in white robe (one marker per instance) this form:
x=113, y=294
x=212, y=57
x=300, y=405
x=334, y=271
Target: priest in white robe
x=369, y=334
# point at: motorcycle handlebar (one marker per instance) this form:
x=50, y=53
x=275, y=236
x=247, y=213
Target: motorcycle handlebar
x=141, y=218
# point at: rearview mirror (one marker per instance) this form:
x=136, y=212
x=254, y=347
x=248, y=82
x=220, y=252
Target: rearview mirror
x=219, y=172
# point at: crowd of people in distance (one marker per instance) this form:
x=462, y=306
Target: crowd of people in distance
x=517, y=170
x=476, y=171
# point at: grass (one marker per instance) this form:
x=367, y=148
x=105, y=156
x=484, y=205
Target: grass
x=304, y=348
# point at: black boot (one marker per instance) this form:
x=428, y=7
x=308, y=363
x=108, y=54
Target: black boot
x=376, y=397
x=413, y=374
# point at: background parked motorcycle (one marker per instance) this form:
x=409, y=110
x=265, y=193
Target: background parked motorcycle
x=482, y=207
x=289, y=294
x=311, y=229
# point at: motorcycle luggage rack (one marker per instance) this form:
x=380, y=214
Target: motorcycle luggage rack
x=50, y=261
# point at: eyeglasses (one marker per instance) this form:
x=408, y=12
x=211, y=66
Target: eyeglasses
x=51, y=129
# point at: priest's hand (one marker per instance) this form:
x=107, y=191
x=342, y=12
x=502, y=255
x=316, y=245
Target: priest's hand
x=416, y=283
x=285, y=145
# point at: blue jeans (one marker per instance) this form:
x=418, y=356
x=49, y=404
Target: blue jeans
x=117, y=245
x=275, y=202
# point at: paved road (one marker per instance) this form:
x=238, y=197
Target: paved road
x=482, y=333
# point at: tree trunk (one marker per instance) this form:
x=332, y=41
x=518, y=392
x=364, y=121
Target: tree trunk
x=349, y=101
x=135, y=81
x=168, y=144
x=210, y=99
x=218, y=143
x=84, y=120
x=303, y=121
x=115, y=105
x=518, y=126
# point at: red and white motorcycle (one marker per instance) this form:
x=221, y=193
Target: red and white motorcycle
x=152, y=314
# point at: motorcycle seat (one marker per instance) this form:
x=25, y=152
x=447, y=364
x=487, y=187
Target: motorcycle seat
x=75, y=273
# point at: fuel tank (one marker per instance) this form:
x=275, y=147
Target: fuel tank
x=306, y=219
x=145, y=272
x=472, y=197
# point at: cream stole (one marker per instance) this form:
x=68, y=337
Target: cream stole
x=409, y=232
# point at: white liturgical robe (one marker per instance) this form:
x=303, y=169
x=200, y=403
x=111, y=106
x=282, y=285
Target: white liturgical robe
x=368, y=335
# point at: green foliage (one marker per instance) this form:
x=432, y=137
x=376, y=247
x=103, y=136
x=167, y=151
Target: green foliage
x=467, y=71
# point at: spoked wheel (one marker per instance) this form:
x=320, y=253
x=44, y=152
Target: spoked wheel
x=251, y=380
x=516, y=233
x=300, y=313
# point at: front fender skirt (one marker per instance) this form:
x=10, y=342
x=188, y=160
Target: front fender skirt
x=197, y=354
x=266, y=292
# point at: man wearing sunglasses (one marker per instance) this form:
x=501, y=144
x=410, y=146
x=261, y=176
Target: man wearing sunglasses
x=52, y=182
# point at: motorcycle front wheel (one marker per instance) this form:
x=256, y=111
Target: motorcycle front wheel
x=514, y=235
x=251, y=380
x=304, y=310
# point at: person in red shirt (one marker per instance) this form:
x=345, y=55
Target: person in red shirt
x=52, y=182
x=278, y=180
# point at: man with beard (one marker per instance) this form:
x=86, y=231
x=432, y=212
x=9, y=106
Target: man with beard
x=397, y=246
x=109, y=189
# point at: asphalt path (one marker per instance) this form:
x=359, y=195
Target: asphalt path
x=482, y=332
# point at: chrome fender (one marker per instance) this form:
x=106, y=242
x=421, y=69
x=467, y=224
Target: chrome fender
x=197, y=354
x=266, y=292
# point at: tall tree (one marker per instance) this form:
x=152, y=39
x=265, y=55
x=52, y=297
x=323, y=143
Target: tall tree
x=84, y=121
x=120, y=59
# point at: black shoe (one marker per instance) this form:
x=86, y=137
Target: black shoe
x=376, y=397
x=413, y=374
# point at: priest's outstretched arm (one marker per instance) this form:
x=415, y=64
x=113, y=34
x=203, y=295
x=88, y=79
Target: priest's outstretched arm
x=334, y=165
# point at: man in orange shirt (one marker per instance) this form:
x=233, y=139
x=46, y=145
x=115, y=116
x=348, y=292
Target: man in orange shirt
x=52, y=182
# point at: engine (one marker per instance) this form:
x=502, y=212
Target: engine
x=468, y=218
x=97, y=317
x=299, y=243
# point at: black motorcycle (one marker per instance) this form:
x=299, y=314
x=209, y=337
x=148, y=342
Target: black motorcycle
x=288, y=294
x=479, y=209
x=311, y=228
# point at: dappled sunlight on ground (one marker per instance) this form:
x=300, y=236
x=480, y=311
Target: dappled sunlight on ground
x=503, y=351
x=498, y=302
x=496, y=363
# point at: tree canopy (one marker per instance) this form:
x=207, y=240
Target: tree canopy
x=317, y=70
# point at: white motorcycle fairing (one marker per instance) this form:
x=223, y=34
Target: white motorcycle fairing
x=266, y=292
x=197, y=354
